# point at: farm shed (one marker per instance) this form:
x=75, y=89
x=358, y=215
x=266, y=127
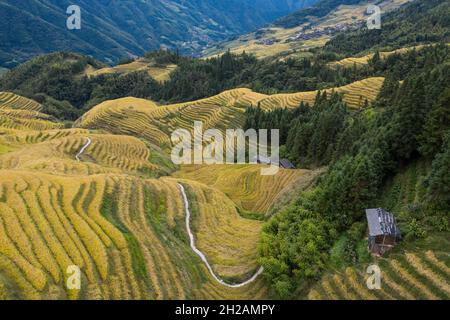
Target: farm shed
x=286, y=164
x=383, y=231
x=283, y=163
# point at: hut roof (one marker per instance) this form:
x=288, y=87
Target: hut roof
x=381, y=222
x=285, y=163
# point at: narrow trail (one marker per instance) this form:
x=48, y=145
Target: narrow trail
x=202, y=256
x=83, y=149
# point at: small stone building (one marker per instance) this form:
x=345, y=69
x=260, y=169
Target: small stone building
x=383, y=231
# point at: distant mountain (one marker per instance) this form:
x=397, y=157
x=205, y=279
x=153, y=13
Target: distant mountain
x=113, y=29
x=321, y=9
x=304, y=29
x=3, y=71
x=418, y=22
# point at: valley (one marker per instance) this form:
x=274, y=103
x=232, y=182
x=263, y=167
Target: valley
x=87, y=179
x=287, y=38
x=112, y=31
x=94, y=183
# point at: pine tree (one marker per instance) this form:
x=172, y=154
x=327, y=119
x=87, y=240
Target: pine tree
x=438, y=191
x=436, y=125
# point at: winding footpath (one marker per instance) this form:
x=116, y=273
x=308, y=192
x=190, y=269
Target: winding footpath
x=191, y=235
x=202, y=256
x=83, y=149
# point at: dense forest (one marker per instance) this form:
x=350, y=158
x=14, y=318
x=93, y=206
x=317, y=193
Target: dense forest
x=416, y=23
x=320, y=10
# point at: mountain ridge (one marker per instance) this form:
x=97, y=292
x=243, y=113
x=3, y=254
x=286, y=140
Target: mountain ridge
x=111, y=30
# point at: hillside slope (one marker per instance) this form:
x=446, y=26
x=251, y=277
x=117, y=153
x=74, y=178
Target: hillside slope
x=419, y=22
x=117, y=29
x=419, y=268
x=305, y=29
x=76, y=197
x=142, y=118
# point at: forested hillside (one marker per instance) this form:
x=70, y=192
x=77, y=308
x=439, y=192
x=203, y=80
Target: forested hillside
x=112, y=30
x=320, y=10
x=416, y=23
x=409, y=121
x=60, y=78
x=296, y=34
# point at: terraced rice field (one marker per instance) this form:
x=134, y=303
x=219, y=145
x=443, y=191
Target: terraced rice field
x=216, y=226
x=27, y=120
x=107, y=153
x=144, y=119
x=250, y=99
x=23, y=137
x=354, y=95
x=417, y=273
x=159, y=73
x=364, y=60
x=9, y=100
x=126, y=234
x=283, y=41
x=409, y=276
x=125, y=231
x=246, y=187
x=20, y=113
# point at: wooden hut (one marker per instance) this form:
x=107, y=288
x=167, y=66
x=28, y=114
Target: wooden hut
x=383, y=231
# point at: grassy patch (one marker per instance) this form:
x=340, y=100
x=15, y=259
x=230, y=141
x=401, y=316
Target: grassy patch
x=109, y=210
x=5, y=149
x=250, y=215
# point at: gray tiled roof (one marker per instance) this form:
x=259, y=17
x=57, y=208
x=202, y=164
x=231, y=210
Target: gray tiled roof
x=285, y=163
x=381, y=222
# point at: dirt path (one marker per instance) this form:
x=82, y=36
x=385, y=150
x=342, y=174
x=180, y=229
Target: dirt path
x=202, y=256
x=83, y=149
